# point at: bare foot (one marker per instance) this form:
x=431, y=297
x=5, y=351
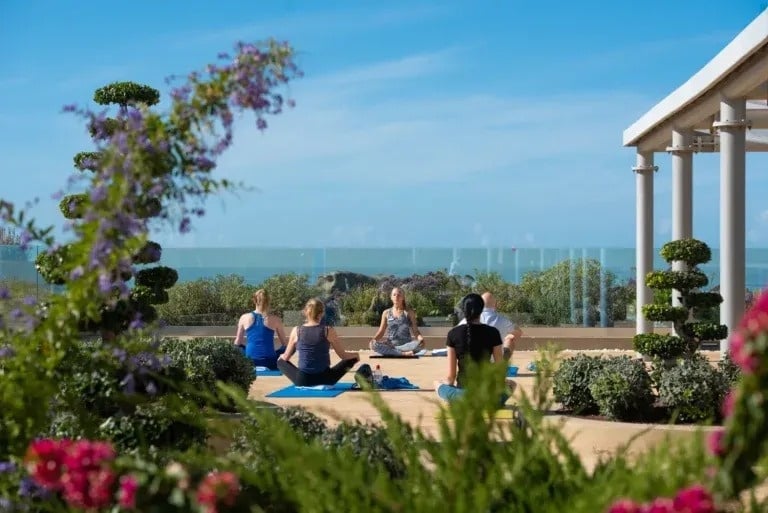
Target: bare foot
x=407, y=353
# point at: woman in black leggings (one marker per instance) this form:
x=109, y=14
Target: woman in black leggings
x=313, y=340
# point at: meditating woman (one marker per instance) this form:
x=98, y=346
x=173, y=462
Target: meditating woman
x=314, y=340
x=473, y=341
x=397, y=323
x=256, y=333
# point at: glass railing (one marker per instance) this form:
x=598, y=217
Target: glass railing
x=515, y=265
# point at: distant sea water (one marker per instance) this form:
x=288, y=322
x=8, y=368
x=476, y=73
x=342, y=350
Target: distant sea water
x=257, y=264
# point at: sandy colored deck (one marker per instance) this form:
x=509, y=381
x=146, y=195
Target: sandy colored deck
x=589, y=437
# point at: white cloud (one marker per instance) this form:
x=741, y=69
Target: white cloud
x=398, y=136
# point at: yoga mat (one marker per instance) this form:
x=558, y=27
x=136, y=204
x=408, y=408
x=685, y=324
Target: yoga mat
x=391, y=356
x=294, y=391
x=267, y=372
x=503, y=414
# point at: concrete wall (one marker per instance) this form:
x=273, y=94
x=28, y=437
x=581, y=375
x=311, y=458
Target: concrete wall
x=357, y=337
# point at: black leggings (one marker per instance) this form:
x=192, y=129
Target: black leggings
x=329, y=376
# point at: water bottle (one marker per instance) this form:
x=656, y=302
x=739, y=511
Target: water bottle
x=377, y=375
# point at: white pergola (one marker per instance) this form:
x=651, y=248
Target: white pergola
x=722, y=108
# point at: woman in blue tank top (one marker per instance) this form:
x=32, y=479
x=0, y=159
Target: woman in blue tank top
x=313, y=340
x=256, y=332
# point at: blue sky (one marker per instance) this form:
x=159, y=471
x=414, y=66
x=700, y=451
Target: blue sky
x=417, y=123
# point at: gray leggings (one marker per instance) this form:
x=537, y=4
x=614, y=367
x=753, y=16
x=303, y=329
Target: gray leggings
x=387, y=348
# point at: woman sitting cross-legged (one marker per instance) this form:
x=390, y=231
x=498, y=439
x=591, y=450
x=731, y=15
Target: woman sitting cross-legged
x=473, y=341
x=313, y=341
x=397, y=323
x=256, y=333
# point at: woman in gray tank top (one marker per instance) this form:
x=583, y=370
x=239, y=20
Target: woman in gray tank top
x=397, y=325
x=313, y=341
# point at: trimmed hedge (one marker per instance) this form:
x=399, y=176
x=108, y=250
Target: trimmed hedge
x=572, y=380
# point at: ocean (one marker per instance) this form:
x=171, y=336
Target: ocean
x=257, y=264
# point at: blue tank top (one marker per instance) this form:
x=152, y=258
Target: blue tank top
x=259, y=339
x=314, y=349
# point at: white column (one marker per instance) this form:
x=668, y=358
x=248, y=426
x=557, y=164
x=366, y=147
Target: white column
x=682, y=193
x=644, y=235
x=733, y=152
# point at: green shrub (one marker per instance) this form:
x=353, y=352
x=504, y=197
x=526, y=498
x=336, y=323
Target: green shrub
x=661, y=346
x=289, y=291
x=654, y=312
x=162, y=423
x=693, y=390
x=730, y=371
x=572, y=380
x=104, y=397
x=207, y=360
x=307, y=424
x=207, y=301
x=368, y=442
x=622, y=389
x=356, y=304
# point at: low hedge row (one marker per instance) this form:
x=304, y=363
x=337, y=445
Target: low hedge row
x=689, y=390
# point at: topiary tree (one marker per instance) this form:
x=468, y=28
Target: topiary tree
x=685, y=284
x=150, y=284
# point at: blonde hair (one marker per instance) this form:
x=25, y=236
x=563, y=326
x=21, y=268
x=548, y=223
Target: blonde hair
x=314, y=309
x=261, y=300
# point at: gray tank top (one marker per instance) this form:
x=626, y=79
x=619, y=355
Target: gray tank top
x=314, y=349
x=398, y=328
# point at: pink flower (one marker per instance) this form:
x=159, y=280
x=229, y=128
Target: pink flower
x=728, y=403
x=89, y=490
x=742, y=354
x=694, y=499
x=217, y=488
x=45, y=462
x=715, y=443
x=660, y=505
x=126, y=495
x=84, y=455
x=624, y=506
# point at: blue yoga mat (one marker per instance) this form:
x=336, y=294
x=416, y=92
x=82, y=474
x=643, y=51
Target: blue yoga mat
x=512, y=371
x=267, y=372
x=294, y=391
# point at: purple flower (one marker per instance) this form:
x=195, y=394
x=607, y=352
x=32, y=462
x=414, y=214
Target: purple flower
x=16, y=314
x=7, y=467
x=57, y=195
x=76, y=273
x=69, y=108
x=120, y=354
x=105, y=284
x=28, y=488
x=136, y=323
x=128, y=384
x=24, y=239
x=151, y=388
x=4, y=293
x=185, y=225
x=204, y=163
x=30, y=300
x=98, y=194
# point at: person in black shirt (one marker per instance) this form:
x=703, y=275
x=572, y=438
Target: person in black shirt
x=471, y=341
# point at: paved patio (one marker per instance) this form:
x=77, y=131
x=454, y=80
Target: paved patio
x=590, y=438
